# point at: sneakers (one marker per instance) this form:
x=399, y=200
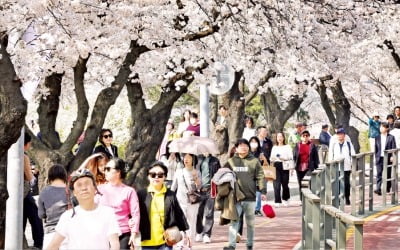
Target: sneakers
x=199, y=237
x=258, y=213
x=229, y=248
x=206, y=239
x=238, y=238
x=285, y=203
x=277, y=204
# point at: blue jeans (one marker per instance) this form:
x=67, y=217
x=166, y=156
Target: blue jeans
x=248, y=208
x=258, y=201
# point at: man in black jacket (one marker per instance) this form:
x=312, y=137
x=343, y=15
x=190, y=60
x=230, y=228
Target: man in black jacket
x=208, y=166
x=383, y=142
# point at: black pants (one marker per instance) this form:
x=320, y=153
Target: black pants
x=206, y=210
x=282, y=180
x=300, y=177
x=379, y=170
x=30, y=212
x=124, y=240
x=347, y=185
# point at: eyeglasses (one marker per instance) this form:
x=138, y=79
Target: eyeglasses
x=158, y=175
x=107, y=136
x=106, y=169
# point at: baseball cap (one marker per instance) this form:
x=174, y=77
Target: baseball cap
x=80, y=173
x=341, y=131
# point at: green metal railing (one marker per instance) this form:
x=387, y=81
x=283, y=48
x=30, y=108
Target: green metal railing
x=362, y=181
x=390, y=163
x=324, y=221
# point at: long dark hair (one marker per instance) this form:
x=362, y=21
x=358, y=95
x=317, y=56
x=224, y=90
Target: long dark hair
x=258, y=150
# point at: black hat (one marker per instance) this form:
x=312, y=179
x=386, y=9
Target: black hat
x=305, y=132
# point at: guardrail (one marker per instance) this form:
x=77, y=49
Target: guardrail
x=362, y=180
x=390, y=163
x=324, y=221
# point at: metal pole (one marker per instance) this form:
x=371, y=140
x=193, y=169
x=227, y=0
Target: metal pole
x=204, y=110
x=15, y=187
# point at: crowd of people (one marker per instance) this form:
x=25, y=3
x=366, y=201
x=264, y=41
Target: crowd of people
x=94, y=209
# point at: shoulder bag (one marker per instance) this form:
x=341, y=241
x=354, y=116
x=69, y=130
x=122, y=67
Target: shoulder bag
x=269, y=172
x=193, y=196
x=171, y=235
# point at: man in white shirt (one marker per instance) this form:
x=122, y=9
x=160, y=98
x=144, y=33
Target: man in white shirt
x=87, y=226
x=343, y=149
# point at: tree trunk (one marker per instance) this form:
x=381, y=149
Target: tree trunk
x=275, y=116
x=235, y=102
x=148, y=125
x=338, y=109
x=13, y=108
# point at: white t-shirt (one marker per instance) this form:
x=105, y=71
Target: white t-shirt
x=88, y=229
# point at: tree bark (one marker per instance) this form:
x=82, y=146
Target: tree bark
x=48, y=111
x=276, y=116
x=235, y=102
x=338, y=109
x=148, y=126
x=13, y=109
x=105, y=99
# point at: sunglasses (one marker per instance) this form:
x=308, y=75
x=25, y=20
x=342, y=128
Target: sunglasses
x=157, y=175
x=108, y=169
x=107, y=136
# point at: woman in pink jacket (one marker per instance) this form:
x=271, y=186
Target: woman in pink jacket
x=123, y=199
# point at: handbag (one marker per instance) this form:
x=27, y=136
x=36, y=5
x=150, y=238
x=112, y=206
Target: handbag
x=193, y=196
x=172, y=235
x=269, y=172
x=288, y=165
x=268, y=211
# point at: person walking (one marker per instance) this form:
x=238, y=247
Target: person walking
x=343, y=150
x=96, y=163
x=383, y=141
x=281, y=156
x=249, y=130
x=188, y=179
x=373, y=130
x=250, y=177
x=159, y=210
x=106, y=147
x=30, y=209
x=305, y=157
x=53, y=201
x=296, y=136
x=324, y=136
x=89, y=225
x=184, y=123
x=209, y=165
x=396, y=132
x=256, y=150
x=123, y=199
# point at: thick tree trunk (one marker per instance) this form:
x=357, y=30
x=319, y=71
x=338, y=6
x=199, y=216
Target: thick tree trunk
x=105, y=99
x=338, y=109
x=13, y=108
x=148, y=125
x=235, y=102
x=48, y=111
x=276, y=116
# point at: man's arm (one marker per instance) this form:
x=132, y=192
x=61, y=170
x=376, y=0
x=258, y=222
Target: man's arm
x=114, y=241
x=56, y=242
